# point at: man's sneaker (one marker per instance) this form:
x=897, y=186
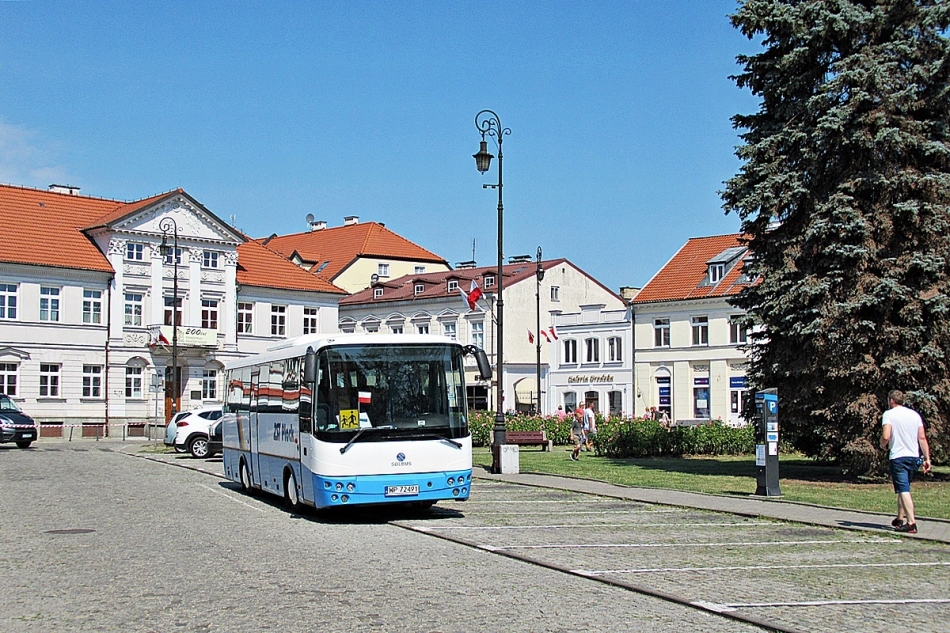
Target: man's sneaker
x=573, y=457
x=897, y=522
x=908, y=528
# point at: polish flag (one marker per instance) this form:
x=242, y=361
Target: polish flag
x=472, y=296
x=553, y=332
x=365, y=397
x=530, y=337
x=547, y=337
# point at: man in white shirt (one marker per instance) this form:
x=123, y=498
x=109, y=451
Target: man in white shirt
x=903, y=433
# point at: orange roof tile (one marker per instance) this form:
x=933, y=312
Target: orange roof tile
x=342, y=245
x=260, y=266
x=684, y=275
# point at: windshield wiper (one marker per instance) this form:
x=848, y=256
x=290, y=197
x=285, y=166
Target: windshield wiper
x=444, y=439
x=360, y=432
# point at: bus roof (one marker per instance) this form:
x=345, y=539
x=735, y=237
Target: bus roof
x=298, y=346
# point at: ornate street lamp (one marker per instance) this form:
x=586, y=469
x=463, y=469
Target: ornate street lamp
x=488, y=123
x=539, y=275
x=168, y=225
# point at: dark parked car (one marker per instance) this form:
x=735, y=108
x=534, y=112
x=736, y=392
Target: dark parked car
x=214, y=439
x=15, y=426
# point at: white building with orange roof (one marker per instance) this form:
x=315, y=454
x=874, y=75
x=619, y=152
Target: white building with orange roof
x=87, y=304
x=351, y=256
x=431, y=303
x=687, y=342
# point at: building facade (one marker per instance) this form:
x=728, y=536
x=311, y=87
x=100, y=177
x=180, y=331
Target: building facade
x=103, y=300
x=688, y=344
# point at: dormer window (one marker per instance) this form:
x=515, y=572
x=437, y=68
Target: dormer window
x=453, y=285
x=322, y=266
x=489, y=281
x=377, y=293
x=419, y=289
x=718, y=266
x=716, y=273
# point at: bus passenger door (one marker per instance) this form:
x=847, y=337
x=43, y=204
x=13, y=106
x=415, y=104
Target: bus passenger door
x=255, y=436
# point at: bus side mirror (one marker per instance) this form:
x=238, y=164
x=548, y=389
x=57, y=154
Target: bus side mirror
x=310, y=367
x=484, y=366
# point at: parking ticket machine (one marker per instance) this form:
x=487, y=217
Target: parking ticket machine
x=766, y=443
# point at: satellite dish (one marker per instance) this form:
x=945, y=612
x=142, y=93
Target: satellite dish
x=309, y=218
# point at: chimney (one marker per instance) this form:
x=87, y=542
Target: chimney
x=318, y=225
x=351, y=219
x=67, y=189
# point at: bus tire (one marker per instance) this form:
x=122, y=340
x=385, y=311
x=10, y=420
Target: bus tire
x=291, y=496
x=245, y=478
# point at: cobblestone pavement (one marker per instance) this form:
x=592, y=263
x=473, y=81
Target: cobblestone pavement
x=98, y=540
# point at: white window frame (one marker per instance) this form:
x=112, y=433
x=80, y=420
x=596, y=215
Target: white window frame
x=209, y=314
x=382, y=270
x=133, y=381
x=92, y=381
x=91, y=306
x=555, y=293
x=614, y=349
x=377, y=293
x=278, y=320
x=700, y=326
x=8, y=301
x=489, y=281
x=49, y=380
x=397, y=328
x=135, y=251
x=209, y=384
x=716, y=273
x=419, y=270
x=661, y=332
x=173, y=310
x=570, y=351
x=245, y=317
x=450, y=329
x=209, y=259
x=592, y=350
x=737, y=333
x=134, y=308
x=172, y=255
x=9, y=373
x=452, y=286
x=419, y=289
x=49, y=303
x=422, y=328
x=309, y=320
x=477, y=334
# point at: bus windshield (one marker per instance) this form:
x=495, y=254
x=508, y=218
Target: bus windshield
x=402, y=390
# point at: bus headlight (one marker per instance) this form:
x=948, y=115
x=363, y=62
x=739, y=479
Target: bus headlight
x=333, y=497
x=339, y=486
x=450, y=481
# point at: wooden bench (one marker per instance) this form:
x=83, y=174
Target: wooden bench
x=529, y=438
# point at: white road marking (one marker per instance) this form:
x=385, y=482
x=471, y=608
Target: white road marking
x=831, y=603
x=588, y=526
x=227, y=496
x=737, y=544
x=654, y=570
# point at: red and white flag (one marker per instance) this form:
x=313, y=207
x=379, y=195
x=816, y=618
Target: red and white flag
x=365, y=397
x=472, y=296
x=530, y=337
x=547, y=337
x=553, y=332
x=157, y=338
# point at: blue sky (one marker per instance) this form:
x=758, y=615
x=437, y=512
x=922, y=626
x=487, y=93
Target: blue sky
x=266, y=111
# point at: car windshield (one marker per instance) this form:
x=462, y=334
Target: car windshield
x=6, y=404
x=399, y=389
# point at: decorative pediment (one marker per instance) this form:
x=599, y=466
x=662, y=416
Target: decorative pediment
x=13, y=353
x=193, y=221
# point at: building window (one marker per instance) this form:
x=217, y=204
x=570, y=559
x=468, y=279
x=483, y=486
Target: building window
x=701, y=402
x=209, y=314
x=478, y=334
x=419, y=289
x=570, y=402
x=420, y=270
x=8, y=301
x=92, y=306
x=8, y=373
x=49, y=304
x=245, y=318
x=453, y=286
x=372, y=327
x=133, y=382
x=172, y=306
x=49, y=380
x=377, y=293
x=382, y=270
x=555, y=293
x=133, y=308
x=449, y=330
x=615, y=402
x=614, y=349
x=489, y=281
x=716, y=272
x=173, y=256
x=278, y=320
x=570, y=351
x=309, y=320
x=396, y=328
x=737, y=332
x=134, y=251
x=322, y=266
x=92, y=381
x=661, y=333
x=209, y=259
x=700, y=330
x=209, y=384
x=592, y=347
x=422, y=328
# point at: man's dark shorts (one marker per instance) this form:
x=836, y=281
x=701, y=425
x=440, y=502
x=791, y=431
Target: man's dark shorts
x=902, y=473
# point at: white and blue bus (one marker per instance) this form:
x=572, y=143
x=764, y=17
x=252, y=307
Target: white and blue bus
x=349, y=419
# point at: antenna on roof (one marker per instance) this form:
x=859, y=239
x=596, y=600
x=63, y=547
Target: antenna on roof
x=473, y=249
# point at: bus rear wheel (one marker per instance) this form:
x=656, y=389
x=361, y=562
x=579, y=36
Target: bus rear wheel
x=245, y=478
x=290, y=491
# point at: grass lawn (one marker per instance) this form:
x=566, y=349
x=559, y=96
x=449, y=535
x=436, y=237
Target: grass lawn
x=801, y=479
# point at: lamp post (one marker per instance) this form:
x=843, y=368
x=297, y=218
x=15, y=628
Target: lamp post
x=168, y=225
x=488, y=123
x=537, y=296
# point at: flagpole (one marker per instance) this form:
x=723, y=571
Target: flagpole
x=488, y=123
x=539, y=275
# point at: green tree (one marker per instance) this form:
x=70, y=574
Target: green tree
x=843, y=194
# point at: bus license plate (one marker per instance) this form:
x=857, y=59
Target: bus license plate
x=399, y=491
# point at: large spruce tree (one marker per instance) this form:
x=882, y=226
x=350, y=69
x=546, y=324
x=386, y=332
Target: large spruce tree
x=844, y=194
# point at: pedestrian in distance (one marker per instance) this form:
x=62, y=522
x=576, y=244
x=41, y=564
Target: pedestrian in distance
x=902, y=432
x=590, y=426
x=560, y=413
x=577, y=432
